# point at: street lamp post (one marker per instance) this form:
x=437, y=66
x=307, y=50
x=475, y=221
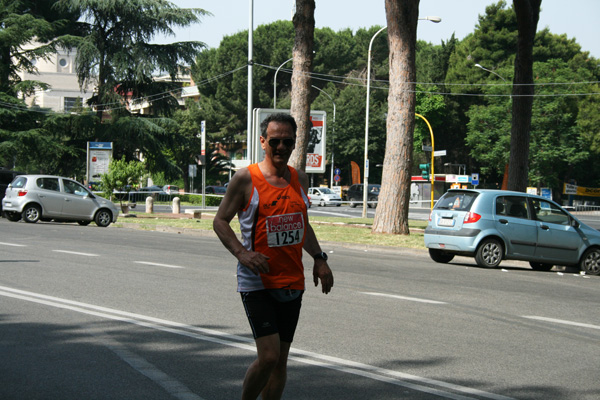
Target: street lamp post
x=366, y=165
x=490, y=71
x=275, y=82
x=460, y=166
x=332, y=132
x=432, y=175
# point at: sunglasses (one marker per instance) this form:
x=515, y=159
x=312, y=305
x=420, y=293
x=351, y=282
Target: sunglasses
x=274, y=143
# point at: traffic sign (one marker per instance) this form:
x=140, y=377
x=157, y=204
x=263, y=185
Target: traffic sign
x=337, y=171
x=475, y=179
x=336, y=178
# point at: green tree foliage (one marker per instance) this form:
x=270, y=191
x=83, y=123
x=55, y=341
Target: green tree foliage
x=557, y=143
x=23, y=137
x=122, y=176
x=115, y=52
x=24, y=22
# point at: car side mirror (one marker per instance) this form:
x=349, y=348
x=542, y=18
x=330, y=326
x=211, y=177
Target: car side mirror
x=574, y=223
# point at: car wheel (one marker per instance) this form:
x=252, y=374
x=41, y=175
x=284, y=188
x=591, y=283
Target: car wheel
x=32, y=213
x=84, y=223
x=440, y=256
x=590, y=262
x=322, y=203
x=337, y=205
x=489, y=253
x=373, y=205
x=103, y=218
x=352, y=203
x=12, y=216
x=541, y=266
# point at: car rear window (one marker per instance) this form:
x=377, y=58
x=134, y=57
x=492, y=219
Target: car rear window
x=48, y=184
x=458, y=201
x=19, y=182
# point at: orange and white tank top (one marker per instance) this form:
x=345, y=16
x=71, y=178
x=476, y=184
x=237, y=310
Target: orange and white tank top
x=274, y=223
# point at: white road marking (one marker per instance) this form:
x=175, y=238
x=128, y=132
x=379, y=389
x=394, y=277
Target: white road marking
x=394, y=296
x=140, y=364
x=157, y=264
x=562, y=321
x=346, y=366
x=13, y=244
x=76, y=253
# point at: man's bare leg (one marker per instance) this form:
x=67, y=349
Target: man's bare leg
x=274, y=388
x=268, y=349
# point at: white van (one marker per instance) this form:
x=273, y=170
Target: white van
x=324, y=196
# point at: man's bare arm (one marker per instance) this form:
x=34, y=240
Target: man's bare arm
x=236, y=198
x=321, y=270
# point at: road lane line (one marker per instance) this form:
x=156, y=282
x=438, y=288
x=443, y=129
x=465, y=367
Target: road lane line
x=140, y=364
x=562, y=321
x=76, y=253
x=13, y=244
x=394, y=296
x=157, y=264
x=397, y=378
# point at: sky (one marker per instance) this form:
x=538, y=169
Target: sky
x=576, y=18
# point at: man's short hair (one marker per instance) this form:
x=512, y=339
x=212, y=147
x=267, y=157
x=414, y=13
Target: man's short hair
x=278, y=117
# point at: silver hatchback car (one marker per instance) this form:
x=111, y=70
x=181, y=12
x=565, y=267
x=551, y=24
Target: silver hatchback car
x=492, y=225
x=47, y=197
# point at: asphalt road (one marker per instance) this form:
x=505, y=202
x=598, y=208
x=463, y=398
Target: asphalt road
x=113, y=313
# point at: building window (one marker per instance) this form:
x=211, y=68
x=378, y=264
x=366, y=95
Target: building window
x=71, y=102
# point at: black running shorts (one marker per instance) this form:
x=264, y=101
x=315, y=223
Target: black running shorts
x=268, y=316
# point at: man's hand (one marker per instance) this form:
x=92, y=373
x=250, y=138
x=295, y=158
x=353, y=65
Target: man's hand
x=256, y=262
x=321, y=271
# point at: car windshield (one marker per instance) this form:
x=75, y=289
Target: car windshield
x=459, y=201
x=326, y=191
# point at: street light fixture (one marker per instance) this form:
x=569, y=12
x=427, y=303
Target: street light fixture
x=490, y=71
x=460, y=166
x=366, y=165
x=275, y=82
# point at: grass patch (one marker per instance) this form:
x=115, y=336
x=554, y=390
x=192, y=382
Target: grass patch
x=331, y=229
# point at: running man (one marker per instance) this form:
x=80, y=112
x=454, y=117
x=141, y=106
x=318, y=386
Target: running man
x=271, y=203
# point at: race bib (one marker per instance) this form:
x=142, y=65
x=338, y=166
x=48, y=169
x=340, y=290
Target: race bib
x=285, y=230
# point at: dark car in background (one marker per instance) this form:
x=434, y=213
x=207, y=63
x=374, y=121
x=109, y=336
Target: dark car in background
x=156, y=192
x=215, y=190
x=495, y=225
x=6, y=177
x=355, y=195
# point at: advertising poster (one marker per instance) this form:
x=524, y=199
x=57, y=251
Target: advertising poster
x=315, y=152
x=99, y=156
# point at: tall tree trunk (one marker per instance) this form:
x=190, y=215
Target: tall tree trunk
x=528, y=14
x=304, y=25
x=392, y=210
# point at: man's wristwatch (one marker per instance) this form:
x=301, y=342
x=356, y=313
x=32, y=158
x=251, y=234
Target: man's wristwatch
x=322, y=255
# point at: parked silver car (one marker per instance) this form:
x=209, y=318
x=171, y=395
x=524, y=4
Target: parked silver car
x=47, y=197
x=323, y=196
x=492, y=225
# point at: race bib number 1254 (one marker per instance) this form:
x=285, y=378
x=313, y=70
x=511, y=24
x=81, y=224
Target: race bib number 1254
x=285, y=230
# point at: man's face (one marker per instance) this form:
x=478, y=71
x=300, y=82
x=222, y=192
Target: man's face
x=279, y=143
